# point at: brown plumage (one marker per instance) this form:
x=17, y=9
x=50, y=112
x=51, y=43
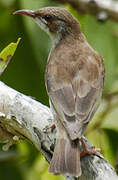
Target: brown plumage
x=74, y=80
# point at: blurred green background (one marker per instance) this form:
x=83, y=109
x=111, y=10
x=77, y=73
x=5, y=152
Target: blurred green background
x=25, y=73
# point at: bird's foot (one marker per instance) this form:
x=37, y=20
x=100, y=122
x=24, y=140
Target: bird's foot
x=52, y=127
x=89, y=151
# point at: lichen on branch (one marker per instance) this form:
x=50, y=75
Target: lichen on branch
x=21, y=117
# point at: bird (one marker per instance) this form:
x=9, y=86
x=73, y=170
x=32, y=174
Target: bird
x=74, y=79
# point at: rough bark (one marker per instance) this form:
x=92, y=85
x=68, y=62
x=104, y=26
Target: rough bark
x=22, y=117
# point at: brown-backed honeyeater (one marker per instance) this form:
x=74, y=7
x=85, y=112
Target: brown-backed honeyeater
x=74, y=80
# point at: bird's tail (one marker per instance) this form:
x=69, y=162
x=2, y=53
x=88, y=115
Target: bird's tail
x=66, y=157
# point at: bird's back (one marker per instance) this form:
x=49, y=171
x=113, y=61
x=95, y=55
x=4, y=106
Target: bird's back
x=74, y=81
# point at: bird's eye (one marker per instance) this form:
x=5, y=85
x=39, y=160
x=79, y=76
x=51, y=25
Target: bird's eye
x=47, y=17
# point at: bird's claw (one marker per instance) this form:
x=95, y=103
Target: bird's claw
x=90, y=151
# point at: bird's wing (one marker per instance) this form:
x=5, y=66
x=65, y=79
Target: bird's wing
x=76, y=102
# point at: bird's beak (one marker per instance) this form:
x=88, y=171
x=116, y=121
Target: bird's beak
x=29, y=13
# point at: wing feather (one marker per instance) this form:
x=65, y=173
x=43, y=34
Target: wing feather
x=77, y=101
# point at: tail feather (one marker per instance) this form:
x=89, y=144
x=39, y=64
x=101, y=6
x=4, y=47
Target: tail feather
x=66, y=157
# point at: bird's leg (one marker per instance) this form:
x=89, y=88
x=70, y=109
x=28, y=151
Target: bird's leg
x=89, y=151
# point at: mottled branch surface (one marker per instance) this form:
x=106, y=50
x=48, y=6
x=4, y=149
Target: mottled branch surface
x=102, y=9
x=21, y=117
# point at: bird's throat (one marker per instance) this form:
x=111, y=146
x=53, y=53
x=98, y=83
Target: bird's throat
x=56, y=40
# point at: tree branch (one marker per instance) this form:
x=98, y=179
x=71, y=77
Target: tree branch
x=21, y=117
x=102, y=9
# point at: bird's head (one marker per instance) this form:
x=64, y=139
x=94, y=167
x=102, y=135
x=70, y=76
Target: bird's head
x=54, y=20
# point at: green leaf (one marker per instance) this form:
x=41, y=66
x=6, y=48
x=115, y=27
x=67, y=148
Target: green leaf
x=6, y=54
